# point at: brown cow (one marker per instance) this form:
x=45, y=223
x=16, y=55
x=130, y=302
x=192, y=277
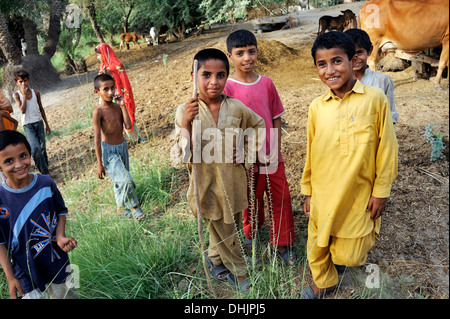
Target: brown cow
x=409, y=25
x=125, y=38
x=345, y=21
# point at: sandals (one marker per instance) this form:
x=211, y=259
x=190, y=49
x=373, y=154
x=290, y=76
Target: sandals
x=341, y=269
x=288, y=256
x=137, y=213
x=308, y=293
x=243, y=285
x=217, y=271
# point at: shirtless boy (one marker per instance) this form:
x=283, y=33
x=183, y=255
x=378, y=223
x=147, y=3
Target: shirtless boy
x=111, y=147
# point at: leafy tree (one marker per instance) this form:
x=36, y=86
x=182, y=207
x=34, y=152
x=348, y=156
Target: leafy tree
x=220, y=11
x=42, y=72
x=177, y=15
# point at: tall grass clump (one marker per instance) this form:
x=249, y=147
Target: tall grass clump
x=120, y=258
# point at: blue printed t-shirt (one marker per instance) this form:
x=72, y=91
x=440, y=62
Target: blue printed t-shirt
x=28, y=220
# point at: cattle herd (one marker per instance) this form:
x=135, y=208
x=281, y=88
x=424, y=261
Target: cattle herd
x=409, y=26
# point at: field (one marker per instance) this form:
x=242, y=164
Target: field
x=411, y=252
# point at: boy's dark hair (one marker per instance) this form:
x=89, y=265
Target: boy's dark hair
x=211, y=54
x=102, y=78
x=360, y=38
x=21, y=74
x=9, y=137
x=332, y=40
x=240, y=39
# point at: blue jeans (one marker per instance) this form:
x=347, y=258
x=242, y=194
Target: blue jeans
x=116, y=162
x=35, y=134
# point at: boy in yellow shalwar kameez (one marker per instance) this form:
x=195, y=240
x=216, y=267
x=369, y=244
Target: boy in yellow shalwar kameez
x=350, y=165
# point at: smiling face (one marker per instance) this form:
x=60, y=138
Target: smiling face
x=335, y=70
x=106, y=90
x=15, y=163
x=244, y=58
x=361, y=59
x=211, y=78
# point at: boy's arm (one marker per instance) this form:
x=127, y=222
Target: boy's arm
x=126, y=117
x=65, y=243
x=11, y=119
x=277, y=127
x=305, y=183
x=190, y=111
x=181, y=150
x=386, y=162
x=21, y=104
x=96, y=116
x=41, y=109
x=14, y=285
x=7, y=105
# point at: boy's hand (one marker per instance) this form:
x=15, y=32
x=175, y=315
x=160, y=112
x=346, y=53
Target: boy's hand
x=101, y=171
x=23, y=89
x=306, y=205
x=66, y=243
x=376, y=206
x=191, y=110
x=14, y=288
x=48, y=130
x=119, y=100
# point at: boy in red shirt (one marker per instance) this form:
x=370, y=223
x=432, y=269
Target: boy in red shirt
x=258, y=92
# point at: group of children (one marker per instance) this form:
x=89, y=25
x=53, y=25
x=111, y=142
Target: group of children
x=351, y=162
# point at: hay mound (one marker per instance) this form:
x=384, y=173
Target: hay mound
x=271, y=53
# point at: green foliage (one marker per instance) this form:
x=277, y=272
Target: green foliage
x=219, y=11
x=110, y=17
x=170, y=13
x=435, y=141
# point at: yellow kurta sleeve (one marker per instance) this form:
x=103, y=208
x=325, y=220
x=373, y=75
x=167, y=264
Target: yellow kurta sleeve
x=387, y=154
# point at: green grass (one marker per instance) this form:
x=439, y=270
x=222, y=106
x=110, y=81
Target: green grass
x=160, y=257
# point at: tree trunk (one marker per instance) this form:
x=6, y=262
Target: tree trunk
x=181, y=31
x=92, y=15
x=30, y=29
x=127, y=16
x=9, y=48
x=42, y=73
x=54, y=29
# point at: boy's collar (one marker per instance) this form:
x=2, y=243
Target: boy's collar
x=247, y=83
x=223, y=95
x=24, y=189
x=358, y=87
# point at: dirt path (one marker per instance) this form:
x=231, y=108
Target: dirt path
x=412, y=249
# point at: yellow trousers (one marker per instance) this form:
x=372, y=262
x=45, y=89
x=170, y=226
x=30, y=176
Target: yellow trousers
x=224, y=245
x=340, y=251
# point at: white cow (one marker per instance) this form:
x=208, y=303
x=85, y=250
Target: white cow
x=154, y=36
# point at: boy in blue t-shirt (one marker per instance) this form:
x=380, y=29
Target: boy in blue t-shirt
x=33, y=244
